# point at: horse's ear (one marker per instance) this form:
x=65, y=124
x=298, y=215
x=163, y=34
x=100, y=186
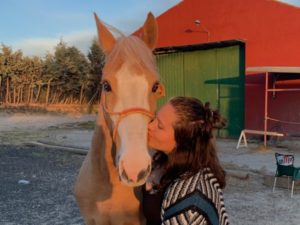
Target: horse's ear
x=105, y=37
x=150, y=31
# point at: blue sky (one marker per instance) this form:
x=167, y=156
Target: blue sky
x=36, y=26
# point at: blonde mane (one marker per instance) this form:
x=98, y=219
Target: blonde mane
x=135, y=53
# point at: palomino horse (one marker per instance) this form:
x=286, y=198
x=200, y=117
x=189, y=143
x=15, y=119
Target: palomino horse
x=118, y=160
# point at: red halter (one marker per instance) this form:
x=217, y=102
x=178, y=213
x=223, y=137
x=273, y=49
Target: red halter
x=125, y=113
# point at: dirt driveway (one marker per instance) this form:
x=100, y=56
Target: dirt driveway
x=48, y=197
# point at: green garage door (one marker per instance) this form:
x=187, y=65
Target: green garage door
x=212, y=72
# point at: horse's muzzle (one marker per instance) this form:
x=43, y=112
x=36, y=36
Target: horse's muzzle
x=135, y=180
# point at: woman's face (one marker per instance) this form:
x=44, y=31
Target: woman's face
x=161, y=131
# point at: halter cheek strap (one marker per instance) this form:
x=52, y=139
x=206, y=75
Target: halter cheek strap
x=125, y=113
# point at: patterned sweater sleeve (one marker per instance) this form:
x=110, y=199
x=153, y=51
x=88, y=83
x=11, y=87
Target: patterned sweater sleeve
x=197, y=200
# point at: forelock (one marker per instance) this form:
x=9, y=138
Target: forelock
x=132, y=51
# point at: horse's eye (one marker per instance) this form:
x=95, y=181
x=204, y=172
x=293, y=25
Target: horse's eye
x=106, y=86
x=155, y=87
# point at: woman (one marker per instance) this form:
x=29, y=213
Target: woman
x=189, y=190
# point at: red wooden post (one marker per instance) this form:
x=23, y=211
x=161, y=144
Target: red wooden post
x=266, y=108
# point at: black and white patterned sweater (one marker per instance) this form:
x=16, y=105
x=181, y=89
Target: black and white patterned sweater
x=204, y=185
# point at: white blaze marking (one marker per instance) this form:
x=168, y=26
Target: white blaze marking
x=132, y=93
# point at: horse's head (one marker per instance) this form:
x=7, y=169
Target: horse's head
x=130, y=88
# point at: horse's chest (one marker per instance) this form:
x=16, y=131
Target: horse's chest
x=121, y=203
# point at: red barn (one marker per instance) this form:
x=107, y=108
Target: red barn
x=271, y=32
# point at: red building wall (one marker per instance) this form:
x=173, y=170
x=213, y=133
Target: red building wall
x=270, y=29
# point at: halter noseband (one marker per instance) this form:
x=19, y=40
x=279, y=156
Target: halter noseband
x=125, y=113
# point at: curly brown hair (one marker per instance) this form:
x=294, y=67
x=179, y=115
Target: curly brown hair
x=195, y=149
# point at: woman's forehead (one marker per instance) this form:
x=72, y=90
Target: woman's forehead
x=167, y=114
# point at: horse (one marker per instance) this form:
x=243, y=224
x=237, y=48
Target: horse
x=107, y=189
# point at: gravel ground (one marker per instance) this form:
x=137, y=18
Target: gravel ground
x=48, y=198
x=250, y=202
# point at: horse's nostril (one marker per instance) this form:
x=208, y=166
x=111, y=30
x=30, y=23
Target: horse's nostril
x=124, y=175
x=143, y=173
